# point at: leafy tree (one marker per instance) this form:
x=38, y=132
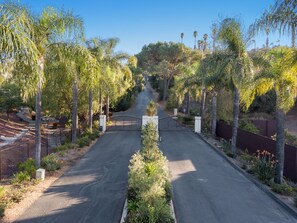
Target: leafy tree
x=151, y=109
x=10, y=98
x=165, y=60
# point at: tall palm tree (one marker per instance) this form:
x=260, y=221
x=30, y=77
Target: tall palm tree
x=285, y=18
x=205, y=36
x=278, y=72
x=195, y=36
x=17, y=48
x=214, y=35
x=237, y=65
x=49, y=26
x=181, y=37
x=263, y=24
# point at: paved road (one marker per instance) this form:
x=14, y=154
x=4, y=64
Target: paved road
x=94, y=190
x=207, y=189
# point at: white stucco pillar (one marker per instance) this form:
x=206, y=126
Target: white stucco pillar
x=175, y=111
x=102, y=123
x=197, y=124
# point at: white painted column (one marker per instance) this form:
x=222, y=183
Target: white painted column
x=175, y=111
x=102, y=122
x=154, y=119
x=197, y=124
x=40, y=174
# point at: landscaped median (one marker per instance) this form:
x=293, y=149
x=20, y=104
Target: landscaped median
x=149, y=187
x=14, y=190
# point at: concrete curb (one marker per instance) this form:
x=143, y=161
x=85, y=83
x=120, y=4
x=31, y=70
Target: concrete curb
x=286, y=206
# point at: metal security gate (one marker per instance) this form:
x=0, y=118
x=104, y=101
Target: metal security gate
x=171, y=123
x=124, y=123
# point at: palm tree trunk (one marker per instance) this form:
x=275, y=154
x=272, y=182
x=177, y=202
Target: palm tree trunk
x=38, y=114
x=267, y=40
x=214, y=114
x=100, y=102
x=235, y=120
x=202, y=104
x=74, y=110
x=90, y=110
x=280, y=145
x=107, y=108
x=188, y=96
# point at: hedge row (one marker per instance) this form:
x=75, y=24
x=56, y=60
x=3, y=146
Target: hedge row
x=149, y=189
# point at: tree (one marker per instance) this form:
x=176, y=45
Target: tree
x=263, y=24
x=278, y=72
x=205, y=36
x=181, y=37
x=17, y=47
x=236, y=66
x=195, y=36
x=165, y=60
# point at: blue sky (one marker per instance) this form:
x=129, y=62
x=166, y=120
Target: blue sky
x=140, y=22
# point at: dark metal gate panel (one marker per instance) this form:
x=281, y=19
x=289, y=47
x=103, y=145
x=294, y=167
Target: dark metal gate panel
x=171, y=124
x=124, y=123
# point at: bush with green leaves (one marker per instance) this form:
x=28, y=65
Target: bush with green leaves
x=50, y=163
x=65, y=147
x=28, y=167
x=284, y=188
x=149, y=190
x=248, y=126
x=151, y=109
x=83, y=141
x=21, y=177
x=149, y=136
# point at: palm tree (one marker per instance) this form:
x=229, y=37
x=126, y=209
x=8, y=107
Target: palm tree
x=195, y=36
x=181, y=37
x=205, y=36
x=17, y=48
x=49, y=26
x=214, y=35
x=278, y=72
x=236, y=64
x=263, y=24
x=285, y=18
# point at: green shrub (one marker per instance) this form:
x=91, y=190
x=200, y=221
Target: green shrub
x=2, y=208
x=60, y=148
x=84, y=141
x=96, y=124
x=50, y=163
x=264, y=166
x=283, y=188
x=151, y=109
x=149, y=136
x=2, y=191
x=21, y=177
x=28, y=167
x=248, y=126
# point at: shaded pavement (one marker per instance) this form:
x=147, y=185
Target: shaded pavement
x=94, y=190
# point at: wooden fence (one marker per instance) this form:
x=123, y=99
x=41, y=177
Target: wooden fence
x=253, y=142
